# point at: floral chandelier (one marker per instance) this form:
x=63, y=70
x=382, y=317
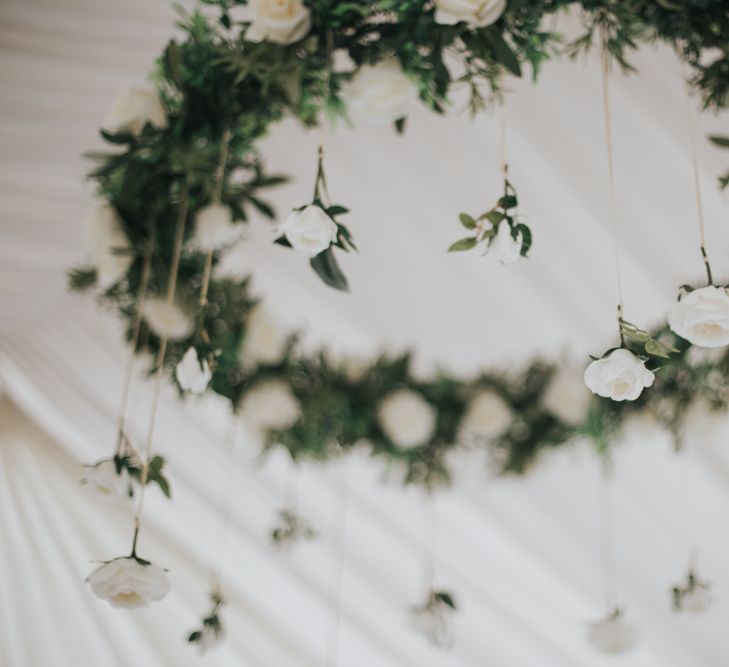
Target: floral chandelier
x=176, y=189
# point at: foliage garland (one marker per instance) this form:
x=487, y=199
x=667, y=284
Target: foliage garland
x=217, y=85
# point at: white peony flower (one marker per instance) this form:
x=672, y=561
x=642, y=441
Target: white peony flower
x=702, y=317
x=103, y=479
x=381, y=93
x=133, y=109
x=613, y=635
x=487, y=417
x=309, y=230
x=697, y=600
x=192, y=374
x=566, y=396
x=477, y=13
x=269, y=406
x=407, y=419
x=264, y=342
x=129, y=583
x=504, y=246
x=215, y=229
x=166, y=320
x=108, y=245
x=279, y=21
x=620, y=375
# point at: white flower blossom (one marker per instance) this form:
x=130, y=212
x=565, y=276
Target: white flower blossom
x=613, y=635
x=310, y=230
x=129, y=583
x=566, y=396
x=215, y=229
x=486, y=417
x=264, y=342
x=279, y=21
x=620, y=375
x=504, y=246
x=406, y=418
x=133, y=109
x=108, y=245
x=166, y=320
x=476, y=13
x=702, y=317
x=381, y=93
x=269, y=406
x=192, y=374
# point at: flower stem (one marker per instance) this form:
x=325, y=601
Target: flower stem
x=620, y=325
x=134, y=539
x=707, y=265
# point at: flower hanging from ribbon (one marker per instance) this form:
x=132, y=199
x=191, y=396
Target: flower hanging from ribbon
x=211, y=631
x=290, y=529
x=613, y=635
x=129, y=582
x=434, y=618
x=693, y=596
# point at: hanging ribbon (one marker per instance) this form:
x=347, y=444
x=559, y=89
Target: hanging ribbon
x=170, y=298
x=607, y=540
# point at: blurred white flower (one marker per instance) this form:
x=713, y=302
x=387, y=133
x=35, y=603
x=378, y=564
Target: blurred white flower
x=108, y=245
x=613, y=635
x=279, y=21
x=129, y=583
x=263, y=342
x=566, y=396
x=192, y=374
x=486, y=417
x=269, y=406
x=620, y=375
x=702, y=317
x=133, y=109
x=434, y=619
x=166, y=320
x=406, y=418
x=477, y=13
x=215, y=229
x=381, y=93
x=694, y=596
x=104, y=479
x=504, y=246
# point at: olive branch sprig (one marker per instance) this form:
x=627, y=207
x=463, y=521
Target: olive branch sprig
x=211, y=628
x=486, y=225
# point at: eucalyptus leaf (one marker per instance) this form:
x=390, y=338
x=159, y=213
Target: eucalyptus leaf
x=463, y=244
x=467, y=221
x=326, y=267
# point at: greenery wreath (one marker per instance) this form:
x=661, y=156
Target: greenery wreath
x=183, y=173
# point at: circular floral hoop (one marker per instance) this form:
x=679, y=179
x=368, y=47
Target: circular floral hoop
x=185, y=167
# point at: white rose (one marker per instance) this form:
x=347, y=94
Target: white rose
x=108, y=245
x=477, y=13
x=504, y=246
x=309, y=230
x=487, y=417
x=127, y=583
x=702, y=317
x=406, y=418
x=269, y=406
x=193, y=375
x=566, y=396
x=133, y=109
x=263, y=342
x=166, y=320
x=381, y=93
x=103, y=479
x=215, y=229
x=621, y=376
x=613, y=635
x=280, y=21
x=696, y=600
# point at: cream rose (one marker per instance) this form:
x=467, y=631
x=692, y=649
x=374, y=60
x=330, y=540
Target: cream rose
x=309, y=230
x=132, y=110
x=621, y=376
x=103, y=479
x=486, y=417
x=192, y=374
x=702, y=317
x=381, y=93
x=566, y=396
x=129, y=583
x=215, y=229
x=166, y=320
x=504, y=246
x=696, y=600
x=269, y=406
x=477, y=13
x=613, y=635
x=108, y=245
x=406, y=418
x=279, y=21
x=264, y=342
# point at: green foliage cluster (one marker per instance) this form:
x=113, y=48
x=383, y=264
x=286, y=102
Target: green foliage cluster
x=216, y=86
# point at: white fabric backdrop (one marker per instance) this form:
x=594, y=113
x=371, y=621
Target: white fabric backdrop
x=521, y=555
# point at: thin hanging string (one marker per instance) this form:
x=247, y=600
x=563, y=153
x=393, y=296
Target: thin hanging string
x=170, y=298
x=697, y=188
x=136, y=328
x=605, y=67
x=337, y=575
x=685, y=493
x=217, y=195
x=230, y=471
x=291, y=492
x=430, y=541
x=607, y=540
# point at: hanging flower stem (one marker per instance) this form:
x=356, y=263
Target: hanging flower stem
x=707, y=265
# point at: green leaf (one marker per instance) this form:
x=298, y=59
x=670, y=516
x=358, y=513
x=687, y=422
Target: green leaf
x=658, y=349
x=326, y=267
x=467, y=221
x=117, y=138
x=446, y=598
x=508, y=201
x=504, y=53
x=494, y=216
x=82, y=279
x=264, y=208
x=723, y=142
x=463, y=244
x=526, y=238
x=282, y=240
x=336, y=209
x=400, y=125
